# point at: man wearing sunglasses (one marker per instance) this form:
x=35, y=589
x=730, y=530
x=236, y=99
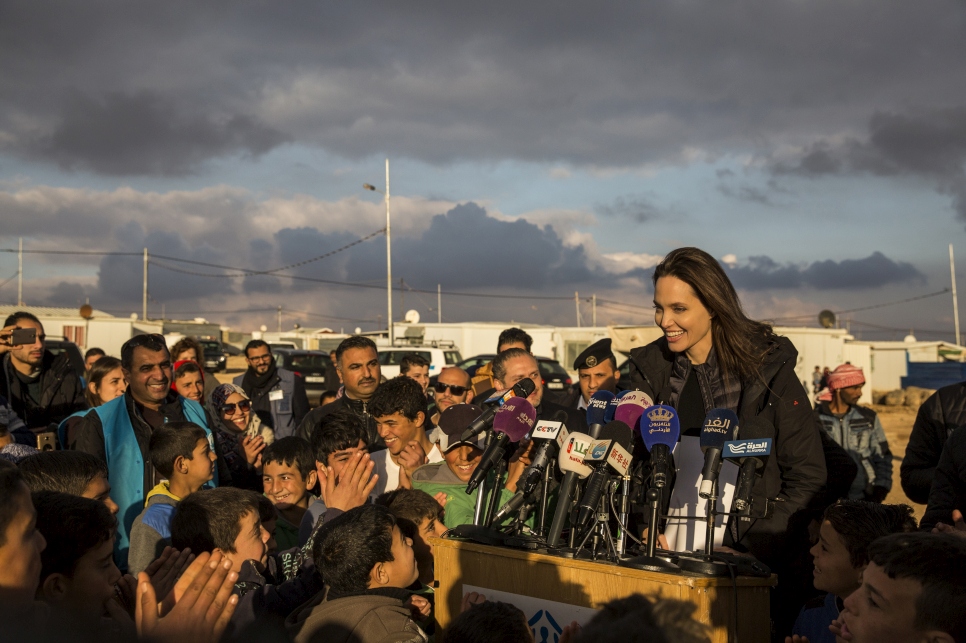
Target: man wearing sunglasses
x=119, y=432
x=453, y=386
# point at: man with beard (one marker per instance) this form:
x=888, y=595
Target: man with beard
x=42, y=389
x=119, y=432
x=515, y=364
x=278, y=396
x=357, y=361
x=596, y=371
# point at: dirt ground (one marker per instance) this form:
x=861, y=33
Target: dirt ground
x=896, y=420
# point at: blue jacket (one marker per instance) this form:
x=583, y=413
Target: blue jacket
x=125, y=463
x=861, y=434
x=815, y=617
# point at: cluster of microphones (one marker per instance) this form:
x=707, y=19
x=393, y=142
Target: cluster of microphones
x=585, y=483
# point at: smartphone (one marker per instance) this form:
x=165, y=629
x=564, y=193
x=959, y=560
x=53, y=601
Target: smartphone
x=23, y=336
x=46, y=441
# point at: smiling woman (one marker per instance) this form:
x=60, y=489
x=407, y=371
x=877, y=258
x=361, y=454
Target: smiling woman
x=714, y=357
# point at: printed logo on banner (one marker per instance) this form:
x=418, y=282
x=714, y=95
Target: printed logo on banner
x=745, y=448
x=544, y=617
x=543, y=626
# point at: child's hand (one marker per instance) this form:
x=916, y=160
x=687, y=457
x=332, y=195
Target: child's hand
x=570, y=632
x=441, y=498
x=166, y=569
x=354, y=485
x=419, y=607
x=958, y=528
x=412, y=457
x=839, y=629
x=795, y=638
x=471, y=599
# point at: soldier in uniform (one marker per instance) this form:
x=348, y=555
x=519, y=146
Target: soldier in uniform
x=597, y=371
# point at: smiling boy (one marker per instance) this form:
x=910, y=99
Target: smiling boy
x=399, y=408
x=288, y=473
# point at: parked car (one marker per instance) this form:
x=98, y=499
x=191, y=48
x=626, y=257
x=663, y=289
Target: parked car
x=58, y=346
x=311, y=365
x=215, y=356
x=438, y=358
x=288, y=345
x=555, y=377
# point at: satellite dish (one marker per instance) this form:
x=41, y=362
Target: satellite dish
x=358, y=331
x=910, y=338
x=263, y=328
x=412, y=316
x=86, y=311
x=134, y=316
x=826, y=318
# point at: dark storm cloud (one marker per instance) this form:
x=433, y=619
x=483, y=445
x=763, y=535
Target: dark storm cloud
x=746, y=193
x=764, y=273
x=929, y=144
x=143, y=133
x=628, y=84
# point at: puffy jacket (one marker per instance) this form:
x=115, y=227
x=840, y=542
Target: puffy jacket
x=779, y=406
x=377, y=615
x=939, y=415
x=860, y=433
x=949, y=484
x=359, y=408
x=62, y=392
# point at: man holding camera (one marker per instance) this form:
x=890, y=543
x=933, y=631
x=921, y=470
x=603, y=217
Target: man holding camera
x=42, y=389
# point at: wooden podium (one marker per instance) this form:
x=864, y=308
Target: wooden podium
x=589, y=584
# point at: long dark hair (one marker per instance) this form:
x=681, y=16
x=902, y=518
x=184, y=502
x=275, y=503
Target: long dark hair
x=740, y=343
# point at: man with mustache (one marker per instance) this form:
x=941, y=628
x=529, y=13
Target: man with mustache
x=119, y=432
x=357, y=362
x=42, y=389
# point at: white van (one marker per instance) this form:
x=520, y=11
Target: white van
x=438, y=358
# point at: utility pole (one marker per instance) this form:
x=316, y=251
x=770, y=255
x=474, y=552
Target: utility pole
x=280, y=319
x=439, y=304
x=20, y=274
x=577, y=305
x=388, y=262
x=952, y=276
x=144, y=290
x=593, y=298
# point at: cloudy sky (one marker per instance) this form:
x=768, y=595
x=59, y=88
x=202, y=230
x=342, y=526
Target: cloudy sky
x=816, y=148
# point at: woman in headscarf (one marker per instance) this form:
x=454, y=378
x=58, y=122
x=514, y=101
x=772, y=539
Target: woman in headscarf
x=240, y=435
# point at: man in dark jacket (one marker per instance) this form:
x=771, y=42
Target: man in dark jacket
x=938, y=417
x=596, y=371
x=357, y=361
x=278, y=396
x=948, y=491
x=793, y=474
x=42, y=388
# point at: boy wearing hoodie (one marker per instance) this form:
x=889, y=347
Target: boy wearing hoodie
x=367, y=564
x=181, y=453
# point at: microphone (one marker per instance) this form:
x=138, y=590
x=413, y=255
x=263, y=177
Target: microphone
x=720, y=426
x=751, y=455
x=511, y=423
x=631, y=407
x=571, y=462
x=551, y=436
x=660, y=430
x=597, y=411
x=521, y=389
x=612, y=448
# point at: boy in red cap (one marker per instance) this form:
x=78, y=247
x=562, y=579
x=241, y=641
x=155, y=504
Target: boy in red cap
x=857, y=430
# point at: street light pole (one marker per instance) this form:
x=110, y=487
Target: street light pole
x=373, y=188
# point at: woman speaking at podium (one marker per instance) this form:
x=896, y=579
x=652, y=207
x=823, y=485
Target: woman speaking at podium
x=713, y=356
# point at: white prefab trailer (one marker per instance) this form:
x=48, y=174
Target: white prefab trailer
x=890, y=359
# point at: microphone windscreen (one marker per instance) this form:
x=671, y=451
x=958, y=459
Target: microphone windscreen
x=631, y=407
x=618, y=432
x=515, y=418
x=612, y=408
x=571, y=456
x=720, y=425
x=597, y=407
x=660, y=425
x=524, y=387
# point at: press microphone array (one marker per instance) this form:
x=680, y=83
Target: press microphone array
x=751, y=455
x=521, y=389
x=512, y=421
x=571, y=459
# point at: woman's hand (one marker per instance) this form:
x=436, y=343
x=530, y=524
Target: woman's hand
x=253, y=447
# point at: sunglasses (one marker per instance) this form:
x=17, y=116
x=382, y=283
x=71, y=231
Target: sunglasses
x=455, y=390
x=229, y=409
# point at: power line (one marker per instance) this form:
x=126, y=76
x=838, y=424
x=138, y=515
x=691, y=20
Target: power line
x=872, y=307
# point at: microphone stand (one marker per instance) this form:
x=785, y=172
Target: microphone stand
x=650, y=561
x=705, y=564
x=478, y=518
x=600, y=531
x=623, y=510
x=544, y=494
x=494, y=503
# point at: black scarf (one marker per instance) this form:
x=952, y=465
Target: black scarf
x=717, y=392
x=254, y=382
